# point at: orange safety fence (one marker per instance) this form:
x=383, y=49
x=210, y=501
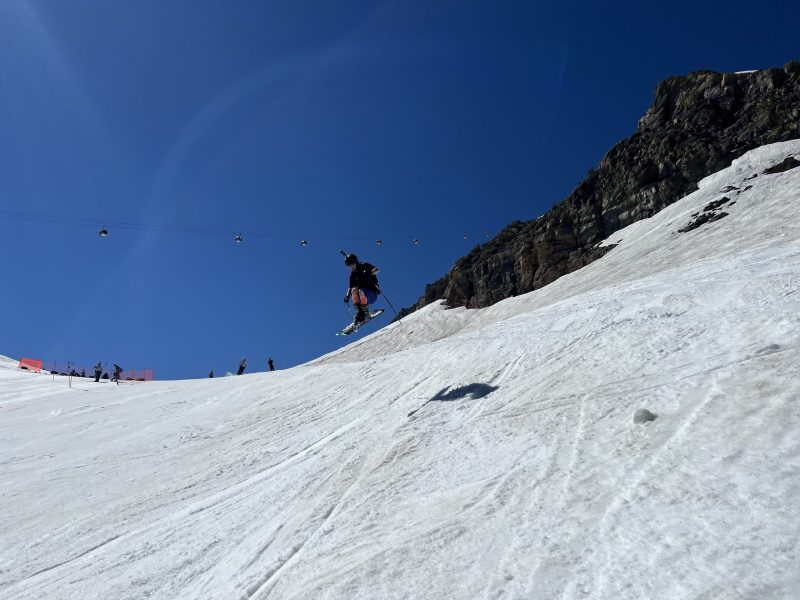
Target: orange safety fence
x=30, y=364
x=137, y=375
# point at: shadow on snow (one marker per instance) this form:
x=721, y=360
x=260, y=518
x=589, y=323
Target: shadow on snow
x=473, y=391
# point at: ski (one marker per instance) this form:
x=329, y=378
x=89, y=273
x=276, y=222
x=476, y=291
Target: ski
x=353, y=327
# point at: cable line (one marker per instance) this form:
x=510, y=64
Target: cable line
x=105, y=226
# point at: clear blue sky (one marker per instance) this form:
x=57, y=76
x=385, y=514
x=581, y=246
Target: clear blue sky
x=335, y=122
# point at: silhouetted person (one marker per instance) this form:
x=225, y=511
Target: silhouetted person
x=117, y=371
x=242, y=366
x=211, y=373
x=271, y=364
x=98, y=370
x=83, y=372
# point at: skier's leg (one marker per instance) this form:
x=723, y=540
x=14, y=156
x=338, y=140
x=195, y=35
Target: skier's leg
x=360, y=303
x=359, y=297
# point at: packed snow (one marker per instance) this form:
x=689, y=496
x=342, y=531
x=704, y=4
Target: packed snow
x=457, y=454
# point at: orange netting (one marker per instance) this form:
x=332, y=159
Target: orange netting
x=137, y=375
x=31, y=364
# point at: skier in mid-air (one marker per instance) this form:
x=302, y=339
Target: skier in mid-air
x=363, y=289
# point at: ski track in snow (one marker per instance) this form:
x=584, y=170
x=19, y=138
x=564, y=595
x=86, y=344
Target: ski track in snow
x=458, y=454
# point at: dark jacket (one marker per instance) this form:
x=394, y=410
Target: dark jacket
x=361, y=277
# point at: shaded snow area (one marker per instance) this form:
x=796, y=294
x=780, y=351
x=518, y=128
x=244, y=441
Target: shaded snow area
x=458, y=454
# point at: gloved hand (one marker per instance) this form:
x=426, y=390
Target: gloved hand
x=347, y=299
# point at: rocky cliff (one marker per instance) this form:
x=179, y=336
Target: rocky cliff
x=697, y=125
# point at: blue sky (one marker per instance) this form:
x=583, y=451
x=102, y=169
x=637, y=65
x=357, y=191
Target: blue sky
x=179, y=124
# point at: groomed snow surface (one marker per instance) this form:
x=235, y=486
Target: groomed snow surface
x=519, y=474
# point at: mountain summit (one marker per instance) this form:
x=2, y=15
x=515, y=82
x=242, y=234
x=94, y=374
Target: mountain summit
x=696, y=126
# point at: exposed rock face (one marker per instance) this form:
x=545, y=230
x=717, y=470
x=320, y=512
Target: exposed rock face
x=696, y=126
x=789, y=163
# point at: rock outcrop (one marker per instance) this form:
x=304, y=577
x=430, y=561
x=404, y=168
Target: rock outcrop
x=696, y=126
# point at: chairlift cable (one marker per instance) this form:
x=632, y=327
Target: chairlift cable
x=109, y=225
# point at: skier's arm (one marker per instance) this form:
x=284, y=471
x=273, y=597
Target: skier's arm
x=375, y=270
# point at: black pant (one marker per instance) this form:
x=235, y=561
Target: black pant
x=97, y=376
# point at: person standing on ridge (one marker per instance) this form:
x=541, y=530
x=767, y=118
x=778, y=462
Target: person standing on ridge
x=117, y=372
x=98, y=370
x=242, y=365
x=363, y=288
x=271, y=364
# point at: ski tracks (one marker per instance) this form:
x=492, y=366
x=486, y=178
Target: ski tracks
x=609, y=529
x=67, y=561
x=385, y=426
x=264, y=587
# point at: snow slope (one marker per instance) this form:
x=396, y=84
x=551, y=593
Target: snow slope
x=457, y=454
x=8, y=363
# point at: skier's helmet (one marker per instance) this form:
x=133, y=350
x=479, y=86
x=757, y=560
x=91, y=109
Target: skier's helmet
x=351, y=259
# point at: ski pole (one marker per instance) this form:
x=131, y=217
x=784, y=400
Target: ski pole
x=399, y=318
